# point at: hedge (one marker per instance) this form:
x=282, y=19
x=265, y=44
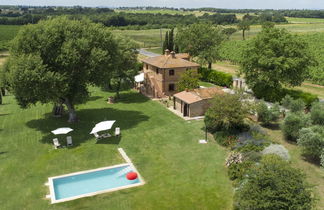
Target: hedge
x=277, y=94
x=216, y=77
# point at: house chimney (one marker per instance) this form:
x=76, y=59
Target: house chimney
x=167, y=52
x=173, y=54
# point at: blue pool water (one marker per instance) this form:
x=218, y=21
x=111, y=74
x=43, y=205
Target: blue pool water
x=90, y=182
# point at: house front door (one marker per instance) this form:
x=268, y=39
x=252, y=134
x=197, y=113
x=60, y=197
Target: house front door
x=185, y=110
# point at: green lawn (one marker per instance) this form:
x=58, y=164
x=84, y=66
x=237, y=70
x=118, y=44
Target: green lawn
x=179, y=172
x=206, y=84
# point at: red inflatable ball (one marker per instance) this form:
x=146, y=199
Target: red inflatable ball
x=131, y=175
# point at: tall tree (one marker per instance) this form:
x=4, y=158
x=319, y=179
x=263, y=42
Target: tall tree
x=275, y=58
x=171, y=40
x=55, y=61
x=201, y=40
x=165, y=42
x=125, y=67
x=243, y=26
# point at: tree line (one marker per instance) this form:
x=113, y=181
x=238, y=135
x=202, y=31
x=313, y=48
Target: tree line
x=139, y=20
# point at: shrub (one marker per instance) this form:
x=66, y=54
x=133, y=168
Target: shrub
x=307, y=98
x=277, y=149
x=297, y=105
x=239, y=170
x=317, y=113
x=233, y=158
x=225, y=138
x=267, y=115
x=263, y=91
x=252, y=156
x=274, y=184
x=216, y=77
x=267, y=93
x=293, y=123
x=286, y=101
x=226, y=113
x=250, y=141
x=312, y=141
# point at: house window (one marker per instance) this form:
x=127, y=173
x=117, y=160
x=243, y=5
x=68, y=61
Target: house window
x=157, y=70
x=171, y=87
x=171, y=72
x=146, y=66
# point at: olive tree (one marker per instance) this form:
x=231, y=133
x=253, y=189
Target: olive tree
x=57, y=59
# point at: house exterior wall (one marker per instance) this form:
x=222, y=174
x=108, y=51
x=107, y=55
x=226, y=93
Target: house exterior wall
x=198, y=109
x=178, y=105
x=162, y=79
x=195, y=109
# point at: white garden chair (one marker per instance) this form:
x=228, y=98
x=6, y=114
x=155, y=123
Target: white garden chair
x=69, y=141
x=117, y=131
x=56, y=143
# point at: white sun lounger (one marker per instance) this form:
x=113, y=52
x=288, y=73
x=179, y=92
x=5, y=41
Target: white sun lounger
x=69, y=141
x=56, y=143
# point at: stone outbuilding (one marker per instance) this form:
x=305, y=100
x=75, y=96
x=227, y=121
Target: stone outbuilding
x=195, y=102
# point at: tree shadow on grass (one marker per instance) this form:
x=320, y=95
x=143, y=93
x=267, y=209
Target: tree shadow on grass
x=272, y=126
x=131, y=97
x=110, y=140
x=4, y=115
x=311, y=160
x=94, y=98
x=88, y=119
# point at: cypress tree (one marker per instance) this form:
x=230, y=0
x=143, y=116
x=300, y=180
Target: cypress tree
x=166, y=42
x=171, y=40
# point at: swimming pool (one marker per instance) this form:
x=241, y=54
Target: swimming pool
x=88, y=183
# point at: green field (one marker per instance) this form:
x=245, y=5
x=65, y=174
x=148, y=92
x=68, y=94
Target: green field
x=166, y=11
x=179, y=172
x=145, y=38
x=7, y=33
x=305, y=20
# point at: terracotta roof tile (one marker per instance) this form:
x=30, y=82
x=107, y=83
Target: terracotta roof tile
x=167, y=61
x=199, y=94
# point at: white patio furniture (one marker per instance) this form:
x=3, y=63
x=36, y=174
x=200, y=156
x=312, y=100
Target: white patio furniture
x=62, y=131
x=102, y=126
x=56, y=143
x=117, y=131
x=69, y=141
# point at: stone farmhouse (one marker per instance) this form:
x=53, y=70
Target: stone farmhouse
x=161, y=73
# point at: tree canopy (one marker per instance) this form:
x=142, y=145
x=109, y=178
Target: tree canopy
x=275, y=58
x=201, y=40
x=274, y=184
x=226, y=113
x=55, y=60
x=125, y=67
x=188, y=80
